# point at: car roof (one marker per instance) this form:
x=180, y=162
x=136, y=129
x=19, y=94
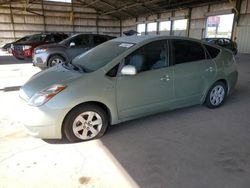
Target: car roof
x=138, y=39
x=76, y=34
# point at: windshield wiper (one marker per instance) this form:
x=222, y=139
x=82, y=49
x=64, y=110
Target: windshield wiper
x=72, y=66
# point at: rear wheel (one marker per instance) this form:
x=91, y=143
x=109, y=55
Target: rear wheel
x=216, y=95
x=54, y=60
x=84, y=123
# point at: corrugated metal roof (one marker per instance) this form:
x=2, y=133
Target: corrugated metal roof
x=131, y=8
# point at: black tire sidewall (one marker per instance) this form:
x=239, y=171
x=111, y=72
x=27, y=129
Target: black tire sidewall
x=69, y=119
x=208, y=102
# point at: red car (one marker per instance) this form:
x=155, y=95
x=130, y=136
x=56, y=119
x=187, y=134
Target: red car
x=23, y=50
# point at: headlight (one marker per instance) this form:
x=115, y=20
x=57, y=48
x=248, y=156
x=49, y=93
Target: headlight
x=38, y=51
x=26, y=47
x=45, y=95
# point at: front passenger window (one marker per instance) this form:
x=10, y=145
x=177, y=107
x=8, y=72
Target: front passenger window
x=80, y=41
x=77, y=41
x=151, y=56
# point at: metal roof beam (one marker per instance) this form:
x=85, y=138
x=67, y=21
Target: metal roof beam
x=147, y=8
x=131, y=5
x=114, y=7
x=92, y=3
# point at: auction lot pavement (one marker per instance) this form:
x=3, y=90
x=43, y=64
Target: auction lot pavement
x=195, y=147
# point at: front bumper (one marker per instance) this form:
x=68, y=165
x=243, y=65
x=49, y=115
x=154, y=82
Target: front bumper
x=40, y=60
x=42, y=122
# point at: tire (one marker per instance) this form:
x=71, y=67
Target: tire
x=55, y=59
x=78, y=127
x=216, y=95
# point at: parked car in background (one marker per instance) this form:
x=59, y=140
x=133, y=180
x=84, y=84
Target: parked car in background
x=7, y=47
x=123, y=79
x=24, y=49
x=224, y=42
x=51, y=54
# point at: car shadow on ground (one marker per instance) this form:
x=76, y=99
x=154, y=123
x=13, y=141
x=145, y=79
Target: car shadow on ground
x=10, y=60
x=12, y=88
x=57, y=141
x=238, y=95
x=189, y=147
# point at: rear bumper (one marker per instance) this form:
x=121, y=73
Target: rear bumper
x=232, y=79
x=21, y=55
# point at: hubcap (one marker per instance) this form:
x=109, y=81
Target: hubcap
x=87, y=125
x=56, y=61
x=217, y=95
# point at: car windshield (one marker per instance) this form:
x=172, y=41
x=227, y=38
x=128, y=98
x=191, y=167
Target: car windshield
x=36, y=38
x=99, y=56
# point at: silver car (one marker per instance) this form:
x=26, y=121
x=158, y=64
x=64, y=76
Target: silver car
x=123, y=79
x=49, y=55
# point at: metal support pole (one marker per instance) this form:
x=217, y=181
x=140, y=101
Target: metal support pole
x=12, y=22
x=146, y=26
x=236, y=19
x=158, y=25
x=97, y=24
x=189, y=21
x=44, y=23
x=120, y=27
x=172, y=24
x=72, y=16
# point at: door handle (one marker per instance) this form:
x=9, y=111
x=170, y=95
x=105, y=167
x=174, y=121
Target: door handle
x=165, y=78
x=210, y=69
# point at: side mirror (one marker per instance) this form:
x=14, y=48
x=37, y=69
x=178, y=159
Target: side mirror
x=128, y=70
x=72, y=44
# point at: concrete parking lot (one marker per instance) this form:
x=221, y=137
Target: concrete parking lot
x=195, y=147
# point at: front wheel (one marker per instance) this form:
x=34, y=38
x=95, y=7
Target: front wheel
x=84, y=123
x=216, y=95
x=54, y=60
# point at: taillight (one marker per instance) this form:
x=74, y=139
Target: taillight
x=28, y=52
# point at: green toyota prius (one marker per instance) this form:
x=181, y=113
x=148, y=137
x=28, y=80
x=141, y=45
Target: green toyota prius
x=123, y=79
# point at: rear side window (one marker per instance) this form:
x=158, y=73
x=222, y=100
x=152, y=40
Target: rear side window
x=185, y=51
x=213, y=52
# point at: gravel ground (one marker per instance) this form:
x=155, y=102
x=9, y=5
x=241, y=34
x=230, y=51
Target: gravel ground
x=193, y=147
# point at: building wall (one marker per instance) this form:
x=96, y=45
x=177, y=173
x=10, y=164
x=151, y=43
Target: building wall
x=15, y=22
x=198, y=18
x=243, y=28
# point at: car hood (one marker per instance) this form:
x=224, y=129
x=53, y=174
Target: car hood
x=44, y=79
